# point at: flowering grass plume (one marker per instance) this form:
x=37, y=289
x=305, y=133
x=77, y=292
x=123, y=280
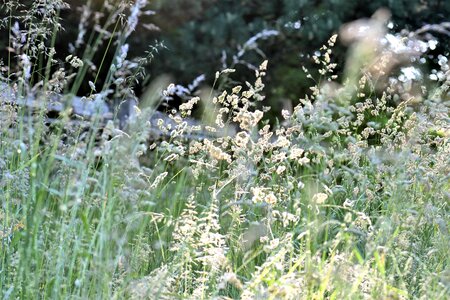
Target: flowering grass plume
x=345, y=197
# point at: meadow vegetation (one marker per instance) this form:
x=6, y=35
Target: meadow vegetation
x=345, y=197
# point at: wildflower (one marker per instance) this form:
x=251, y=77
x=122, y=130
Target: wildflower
x=248, y=94
x=258, y=194
x=296, y=153
x=188, y=106
x=92, y=86
x=280, y=170
x=332, y=40
x=348, y=217
x=122, y=55
x=236, y=89
x=285, y=113
x=247, y=120
x=210, y=129
x=320, y=198
x=226, y=71
x=303, y=161
x=134, y=15
x=278, y=157
x=158, y=180
x=216, y=152
x=172, y=157
x=273, y=244
x=282, y=142
x=263, y=65
x=258, y=83
x=219, y=118
x=270, y=199
x=241, y=139
x=229, y=278
x=26, y=63
x=349, y=203
x=74, y=61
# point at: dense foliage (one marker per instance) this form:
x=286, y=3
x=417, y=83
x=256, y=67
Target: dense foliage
x=345, y=197
x=197, y=34
x=196, y=45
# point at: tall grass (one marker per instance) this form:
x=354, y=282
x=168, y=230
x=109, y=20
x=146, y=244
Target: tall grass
x=347, y=197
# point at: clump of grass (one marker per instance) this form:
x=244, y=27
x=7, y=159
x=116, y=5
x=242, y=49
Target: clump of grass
x=346, y=197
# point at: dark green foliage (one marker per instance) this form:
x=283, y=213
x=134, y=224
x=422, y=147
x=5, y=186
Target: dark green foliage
x=198, y=32
x=196, y=46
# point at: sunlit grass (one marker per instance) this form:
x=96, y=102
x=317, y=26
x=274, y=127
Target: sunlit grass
x=345, y=198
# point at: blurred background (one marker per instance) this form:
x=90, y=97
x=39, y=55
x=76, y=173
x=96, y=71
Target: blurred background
x=203, y=36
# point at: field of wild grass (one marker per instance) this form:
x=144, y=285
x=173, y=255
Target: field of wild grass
x=346, y=196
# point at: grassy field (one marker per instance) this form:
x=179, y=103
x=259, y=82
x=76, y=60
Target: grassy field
x=345, y=197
